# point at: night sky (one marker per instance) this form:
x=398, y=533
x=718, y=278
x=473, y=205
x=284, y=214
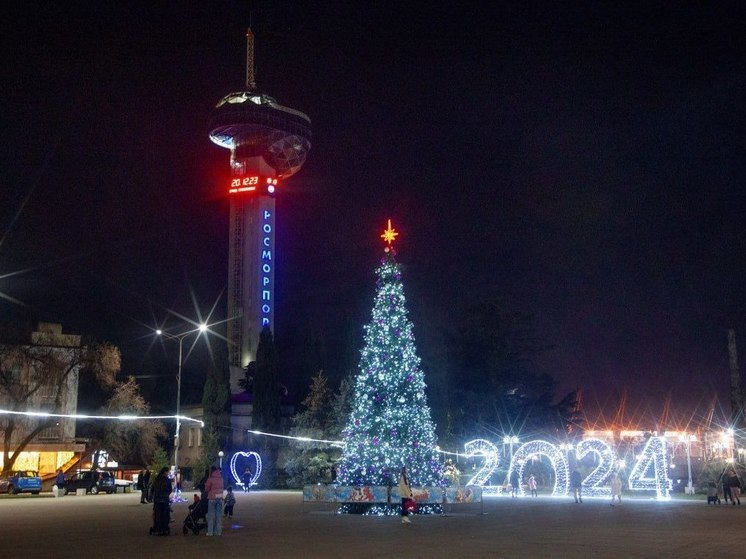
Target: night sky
x=582, y=161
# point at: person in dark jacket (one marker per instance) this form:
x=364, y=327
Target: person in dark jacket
x=59, y=481
x=162, y=489
x=515, y=483
x=576, y=486
x=146, y=488
x=735, y=488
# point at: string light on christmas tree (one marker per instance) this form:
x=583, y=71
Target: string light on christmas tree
x=389, y=424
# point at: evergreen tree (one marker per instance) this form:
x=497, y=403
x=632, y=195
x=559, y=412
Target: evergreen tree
x=266, y=387
x=494, y=385
x=389, y=425
x=160, y=460
x=265, y=415
x=311, y=461
x=216, y=396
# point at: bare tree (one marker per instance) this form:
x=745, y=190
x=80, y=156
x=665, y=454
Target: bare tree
x=39, y=377
x=134, y=441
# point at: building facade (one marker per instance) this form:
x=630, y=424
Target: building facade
x=40, y=377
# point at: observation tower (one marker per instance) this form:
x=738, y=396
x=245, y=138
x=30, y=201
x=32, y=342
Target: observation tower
x=268, y=143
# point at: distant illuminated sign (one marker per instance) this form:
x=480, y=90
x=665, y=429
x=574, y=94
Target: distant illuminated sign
x=250, y=183
x=266, y=265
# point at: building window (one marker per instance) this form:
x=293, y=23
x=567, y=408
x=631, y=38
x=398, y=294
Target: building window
x=190, y=438
x=199, y=437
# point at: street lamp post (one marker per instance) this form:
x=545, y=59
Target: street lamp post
x=688, y=440
x=180, y=339
x=510, y=440
x=220, y=456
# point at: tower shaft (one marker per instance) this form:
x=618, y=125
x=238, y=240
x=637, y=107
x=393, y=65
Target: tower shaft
x=251, y=268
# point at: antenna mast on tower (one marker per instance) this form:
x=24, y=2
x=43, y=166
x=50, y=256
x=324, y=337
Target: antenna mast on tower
x=250, y=72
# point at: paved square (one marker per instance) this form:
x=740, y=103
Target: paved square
x=271, y=524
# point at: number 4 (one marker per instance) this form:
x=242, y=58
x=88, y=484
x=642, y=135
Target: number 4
x=650, y=471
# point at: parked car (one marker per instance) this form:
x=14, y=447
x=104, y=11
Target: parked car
x=21, y=481
x=93, y=482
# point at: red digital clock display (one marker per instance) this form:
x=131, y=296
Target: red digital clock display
x=252, y=183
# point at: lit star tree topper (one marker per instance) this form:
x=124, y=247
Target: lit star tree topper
x=390, y=424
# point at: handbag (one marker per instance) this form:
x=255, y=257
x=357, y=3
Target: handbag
x=410, y=506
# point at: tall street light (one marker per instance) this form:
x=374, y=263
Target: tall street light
x=180, y=338
x=688, y=439
x=511, y=440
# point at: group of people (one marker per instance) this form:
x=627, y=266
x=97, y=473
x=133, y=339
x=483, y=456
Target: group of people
x=576, y=486
x=143, y=485
x=731, y=487
x=515, y=484
x=220, y=500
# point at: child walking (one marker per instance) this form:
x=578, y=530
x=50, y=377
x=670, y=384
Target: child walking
x=230, y=500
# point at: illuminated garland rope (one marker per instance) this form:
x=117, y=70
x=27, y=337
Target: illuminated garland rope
x=87, y=416
x=303, y=439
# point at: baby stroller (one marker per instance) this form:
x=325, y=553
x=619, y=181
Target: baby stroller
x=196, y=520
x=712, y=494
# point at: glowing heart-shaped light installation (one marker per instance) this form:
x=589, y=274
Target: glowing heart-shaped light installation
x=256, y=471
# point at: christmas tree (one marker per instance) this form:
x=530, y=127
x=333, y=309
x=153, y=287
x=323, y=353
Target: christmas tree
x=389, y=425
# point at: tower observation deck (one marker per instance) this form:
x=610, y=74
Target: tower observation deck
x=268, y=143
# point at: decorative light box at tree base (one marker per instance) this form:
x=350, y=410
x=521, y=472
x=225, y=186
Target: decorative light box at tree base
x=374, y=509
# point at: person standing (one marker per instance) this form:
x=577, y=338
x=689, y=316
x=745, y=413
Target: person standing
x=726, y=486
x=735, y=488
x=59, y=481
x=148, y=498
x=405, y=490
x=230, y=502
x=532, y=485
x=161, y=504
x=616, y=488
x=214, y=490
x=247, y=477
x=140, y=487
x=576, y=486
x=515, y=482
x=177, y=479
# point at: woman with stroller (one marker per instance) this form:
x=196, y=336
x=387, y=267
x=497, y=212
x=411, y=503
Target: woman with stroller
x=214, y=490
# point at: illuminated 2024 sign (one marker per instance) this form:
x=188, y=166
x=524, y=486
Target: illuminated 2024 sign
x=648, y=473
